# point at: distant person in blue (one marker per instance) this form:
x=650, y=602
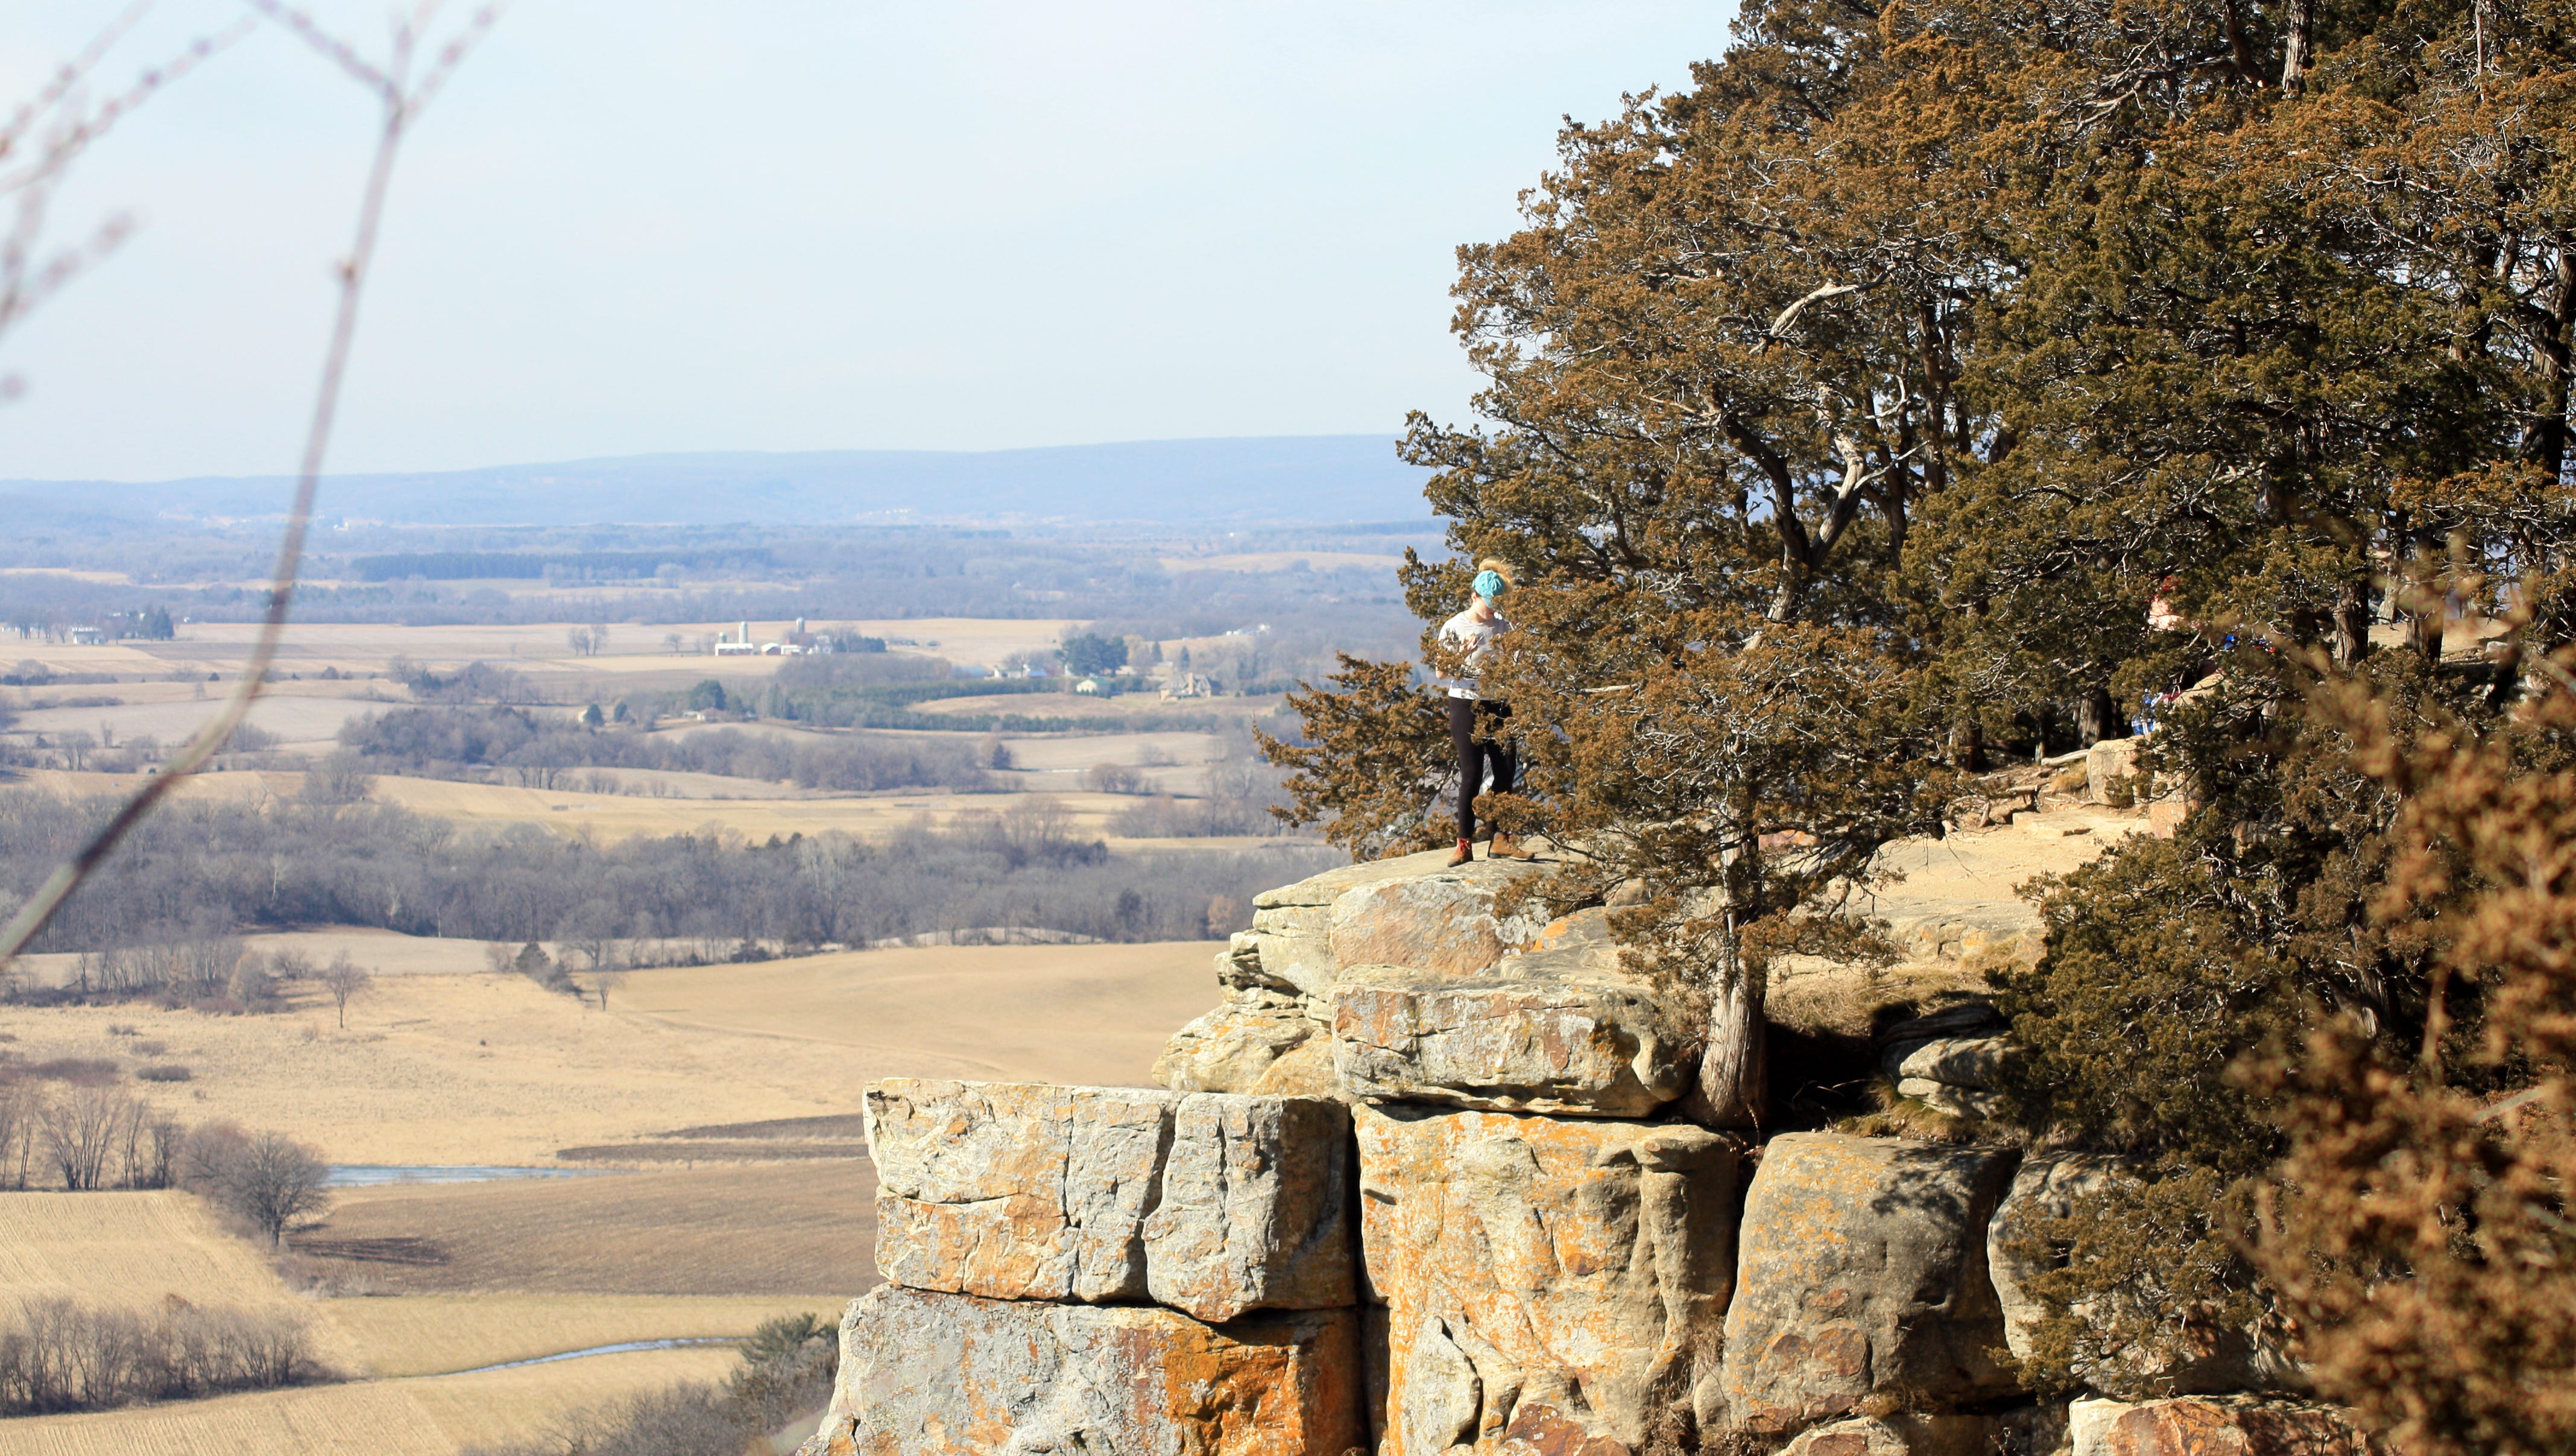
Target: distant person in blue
x=1480, y=729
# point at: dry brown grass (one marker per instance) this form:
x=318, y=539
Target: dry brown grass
x=136, y=1249
x=126, y=1249
x=430, y=1416
x=612, y=817
x=797, y=1229
x=1094, y=1014
x=492, y=1069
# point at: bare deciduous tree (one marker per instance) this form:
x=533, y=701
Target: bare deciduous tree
x=81, y=1128
x=345, y=978
x=415, y=69
x=277, y=1181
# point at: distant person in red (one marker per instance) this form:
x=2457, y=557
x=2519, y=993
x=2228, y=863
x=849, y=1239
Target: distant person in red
x=1480, y=729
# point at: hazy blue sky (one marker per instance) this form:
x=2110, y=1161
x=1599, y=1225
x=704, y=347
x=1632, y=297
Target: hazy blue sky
x=785, y=225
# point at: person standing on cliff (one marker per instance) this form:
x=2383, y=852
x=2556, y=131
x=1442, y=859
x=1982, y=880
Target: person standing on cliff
x=1480, y=729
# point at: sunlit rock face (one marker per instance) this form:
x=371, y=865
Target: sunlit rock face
x=2226, y=1425
x=1211, y=1203
x=931, y=1374
x=1597, y=1044
x=1545, y=1282
x=1864, y=1273
x=1272, y=1031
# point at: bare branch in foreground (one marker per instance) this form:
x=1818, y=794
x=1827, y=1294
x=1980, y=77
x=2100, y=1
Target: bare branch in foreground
x=401, y=107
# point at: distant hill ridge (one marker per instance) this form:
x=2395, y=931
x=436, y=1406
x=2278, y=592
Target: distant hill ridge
x=1300, y=478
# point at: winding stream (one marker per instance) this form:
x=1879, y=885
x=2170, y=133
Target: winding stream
x=619, y=1349
x=371, y=1175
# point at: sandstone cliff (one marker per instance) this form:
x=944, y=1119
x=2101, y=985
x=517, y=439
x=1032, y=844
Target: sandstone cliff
x=1421, y=1185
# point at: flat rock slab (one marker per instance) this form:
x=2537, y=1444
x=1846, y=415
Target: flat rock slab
x=1864, y=1273
x=1214, y=1203
x=1332, y=884
x=1598, y=1045
x=1546, y=1282
x=927, y=1374
x=2214, y=1426
x=1447, y=921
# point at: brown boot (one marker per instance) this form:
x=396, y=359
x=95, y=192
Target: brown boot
x=1503, y=847
x=1466, y=852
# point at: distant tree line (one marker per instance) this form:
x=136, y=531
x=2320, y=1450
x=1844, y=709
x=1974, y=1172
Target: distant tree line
x=536, y=750
x=200, y=868
x=535, y=565
x=64, y=1355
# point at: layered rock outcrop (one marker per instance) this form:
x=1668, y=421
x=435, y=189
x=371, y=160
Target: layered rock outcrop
x=1022, y=1230
x=1272, y=1032
x=1421, y=1187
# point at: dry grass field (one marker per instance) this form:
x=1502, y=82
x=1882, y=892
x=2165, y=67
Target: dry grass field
x=423, y=1416
x=788, y=1230
x=767, y=1229
x=1096, y=1014
x=613, y=817
x=131, y=1250
x=137, y=1249
x=483, y=1068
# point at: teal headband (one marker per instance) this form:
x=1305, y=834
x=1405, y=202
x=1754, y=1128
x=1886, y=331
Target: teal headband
x=1490, y=585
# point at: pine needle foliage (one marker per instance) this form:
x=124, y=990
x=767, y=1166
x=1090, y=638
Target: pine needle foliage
x=2419, y=1227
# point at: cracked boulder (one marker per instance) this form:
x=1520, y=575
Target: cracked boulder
x=928, y=1374
x=1601, y=1045
x=1864, y=1275
x=1273, y=1032
x=1255, y=1041
x=1015, y=1190
x=2239, y=1425
x=1545, y=1283
x=1254, y=1207
x=1449, y=921
x=1211, y=1202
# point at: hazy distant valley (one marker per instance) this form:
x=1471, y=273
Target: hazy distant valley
x=651, y=843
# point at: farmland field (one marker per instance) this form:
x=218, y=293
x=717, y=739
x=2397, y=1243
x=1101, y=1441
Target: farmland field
x=712, y=1103
x=485, y=1068
x=425, y=1416
x=801, y=1229
x=138, y=1249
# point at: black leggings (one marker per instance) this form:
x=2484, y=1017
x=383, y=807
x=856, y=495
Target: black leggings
x=1481, y=732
